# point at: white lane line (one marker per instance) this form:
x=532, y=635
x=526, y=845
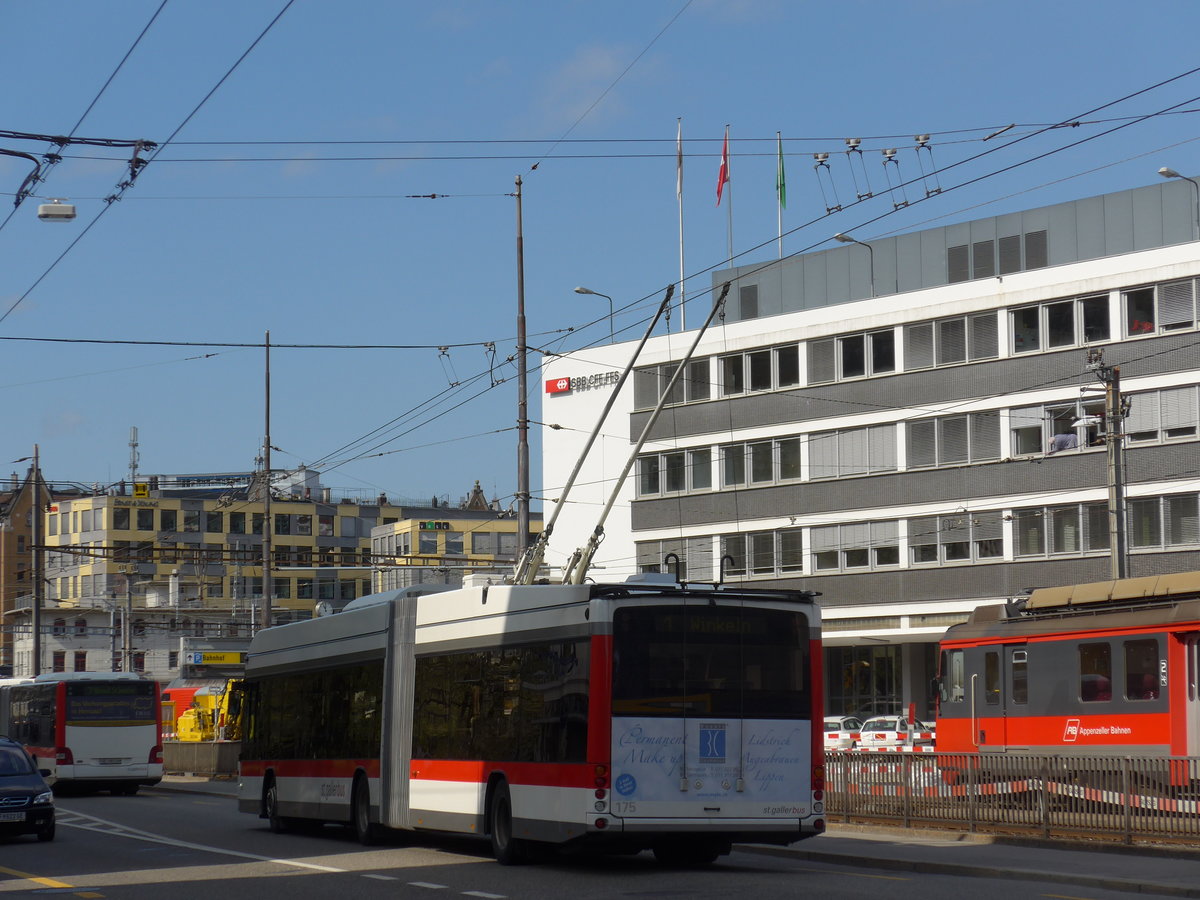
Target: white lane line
x=484, y=895
x=427, y=884
x=382, y=877
x=124, y=831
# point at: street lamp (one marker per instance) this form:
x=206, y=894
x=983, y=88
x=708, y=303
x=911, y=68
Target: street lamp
x=583, y=290
x=846, y=239
x=1171, y=173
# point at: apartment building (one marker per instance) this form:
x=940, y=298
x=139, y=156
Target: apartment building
x=912, y=426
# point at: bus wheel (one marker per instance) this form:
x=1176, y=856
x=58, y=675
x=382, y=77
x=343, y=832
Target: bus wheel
x=271, y=809
x=360, y=812
x=507, y=849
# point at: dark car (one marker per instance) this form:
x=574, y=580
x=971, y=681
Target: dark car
x=26, y=802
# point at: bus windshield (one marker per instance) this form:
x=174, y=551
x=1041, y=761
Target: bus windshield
x=676, y=661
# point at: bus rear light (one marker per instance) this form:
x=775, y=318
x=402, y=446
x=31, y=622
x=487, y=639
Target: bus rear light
x=818, y=796
x=601, y=793
x=601, y=776
x=63, y=756
x=819, y=825
x=818, y=778
x=156, y=755
x=601, y=824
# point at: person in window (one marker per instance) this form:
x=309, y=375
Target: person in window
x=1064, y=441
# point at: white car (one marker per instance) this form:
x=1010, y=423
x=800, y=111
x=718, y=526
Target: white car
x=895, y=731
x=841, y=732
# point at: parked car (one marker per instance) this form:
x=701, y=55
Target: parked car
x=841, y=732
x=895, y=731
x=26, y=802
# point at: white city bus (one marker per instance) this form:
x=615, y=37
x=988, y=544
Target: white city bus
x=90, y=729
x=642, y=715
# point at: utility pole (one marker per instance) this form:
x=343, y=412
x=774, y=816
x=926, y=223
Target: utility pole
x=39, y=587
x=267, y=586
x=1116, y=408
x=127, y=624
x=522, y=402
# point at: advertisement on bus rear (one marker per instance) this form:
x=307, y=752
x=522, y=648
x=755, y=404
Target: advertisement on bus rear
x=760, y=763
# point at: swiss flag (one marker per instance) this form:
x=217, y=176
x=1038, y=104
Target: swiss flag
x=558, y=385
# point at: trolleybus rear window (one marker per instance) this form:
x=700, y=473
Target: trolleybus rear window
x=105, y=703
x=710, y=660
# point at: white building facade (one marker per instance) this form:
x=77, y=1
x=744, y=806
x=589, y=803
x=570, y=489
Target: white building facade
x=913, y=430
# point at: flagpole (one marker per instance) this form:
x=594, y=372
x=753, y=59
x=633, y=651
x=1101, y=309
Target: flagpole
x=679, y=194
x=779, y=189
x=729, y=206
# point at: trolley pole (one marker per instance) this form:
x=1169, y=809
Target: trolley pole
x=522, y=399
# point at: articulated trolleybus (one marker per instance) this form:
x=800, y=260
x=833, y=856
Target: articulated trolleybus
x=646, y=714
x=1105, y=669
x=90, y=729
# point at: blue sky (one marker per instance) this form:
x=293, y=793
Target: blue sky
x=458, y=98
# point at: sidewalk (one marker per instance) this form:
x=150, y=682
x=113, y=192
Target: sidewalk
x=1166, y=871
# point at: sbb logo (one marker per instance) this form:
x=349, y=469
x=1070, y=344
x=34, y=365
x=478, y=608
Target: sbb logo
x=1071, y=732
x=558, y=385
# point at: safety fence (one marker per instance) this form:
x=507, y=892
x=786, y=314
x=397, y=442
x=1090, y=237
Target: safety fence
x=1128, y=798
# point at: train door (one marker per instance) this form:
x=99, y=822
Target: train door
x=1002, y=697
x=1191, y=647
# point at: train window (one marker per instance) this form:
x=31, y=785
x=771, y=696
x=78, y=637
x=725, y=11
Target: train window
x=991, y=678
x=1141, y=670
x=1095, y=672
x=1020, y=677
x=953, y=683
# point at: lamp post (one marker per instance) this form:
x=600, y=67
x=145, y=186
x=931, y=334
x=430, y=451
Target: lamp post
x=611, y=335
x=846, y=239
x=1171, y=173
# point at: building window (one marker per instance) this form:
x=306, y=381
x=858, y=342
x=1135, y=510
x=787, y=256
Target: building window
x=1060, y=323
x=139, y=662
x=695, y=557
x=172, y=659
x=145, y=520
x=1169, y=306
x=167, y=519
x=856, y=451
x=960, y=538
x=120, y=519
x=454, y=543
x=1170, y=414
x=427, y=543
x=59, y=628
x=59, y=663
x=214, y=522
x=80, y=661
x=237, y=523
x=283, y=523
x=763, y=553
x=1058, y=530
x=649, y=384
x=862, y=545
x=191, y=521
x=953, y=440
x=950, y=341
x=81, y=627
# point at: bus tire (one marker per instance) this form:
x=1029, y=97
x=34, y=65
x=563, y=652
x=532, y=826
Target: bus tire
x=360, y=812
x=508, y=850
x=277, y=823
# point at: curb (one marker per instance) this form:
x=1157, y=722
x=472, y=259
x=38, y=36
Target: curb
x=926, y=867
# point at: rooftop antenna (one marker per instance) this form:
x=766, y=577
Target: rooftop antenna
x=531, y=560
x=576, y=568
x=133, y=454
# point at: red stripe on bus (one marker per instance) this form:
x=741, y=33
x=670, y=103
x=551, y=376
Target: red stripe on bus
x=575, y=775
x=599, y=749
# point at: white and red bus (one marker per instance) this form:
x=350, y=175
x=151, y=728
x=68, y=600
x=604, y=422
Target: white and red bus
x=90, y=729
x=642, y=715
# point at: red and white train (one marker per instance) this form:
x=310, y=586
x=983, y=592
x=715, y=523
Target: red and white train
x=1103, y=669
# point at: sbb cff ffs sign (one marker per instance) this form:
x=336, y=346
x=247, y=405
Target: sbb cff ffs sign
x=581, y=382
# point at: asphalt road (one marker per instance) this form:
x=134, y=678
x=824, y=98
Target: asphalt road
x=164, y=844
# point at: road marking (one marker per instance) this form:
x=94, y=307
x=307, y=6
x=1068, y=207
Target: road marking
x=89, y=823
x=1066, y=897
x=426, y=884
x=382, y=877
x=49, y=882
x=483, y=894
x=861, y=875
